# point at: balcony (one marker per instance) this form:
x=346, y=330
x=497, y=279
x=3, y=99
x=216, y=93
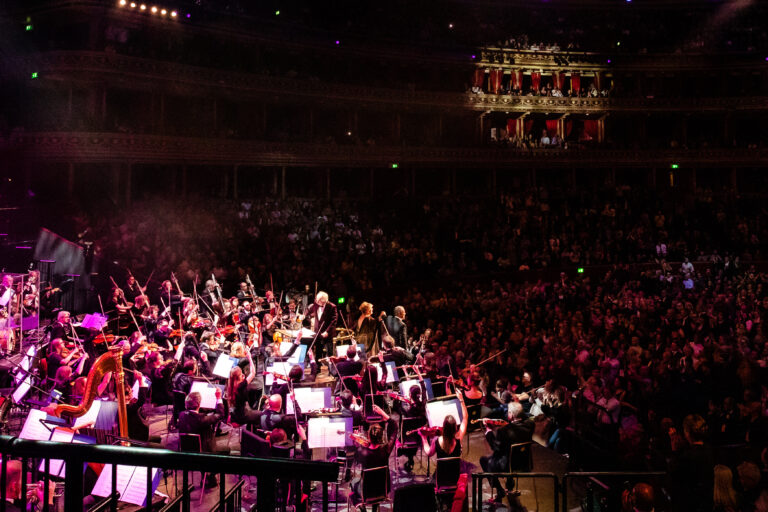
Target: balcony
x=95, y=147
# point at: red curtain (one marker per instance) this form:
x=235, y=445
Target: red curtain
x=590, y=129
x=575, y=81
x=528, y=125
x=558, y=79
x=568, y=127
x=478, y=78
x=535, y=81
x=551, y=127
x=512, y=127
x=494, y=81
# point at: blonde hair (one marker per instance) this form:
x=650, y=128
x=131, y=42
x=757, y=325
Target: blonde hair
x=238, y=349
x=724, y=494
x=366, y=307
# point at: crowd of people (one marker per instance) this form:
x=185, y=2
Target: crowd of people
x=366, y=247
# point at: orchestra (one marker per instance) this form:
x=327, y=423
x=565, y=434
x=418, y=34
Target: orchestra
x=247, y=349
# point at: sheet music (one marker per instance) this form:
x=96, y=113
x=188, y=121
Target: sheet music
x=327, y=432
x=298, y=355
x=20, y=392
x=207, y=394
x=180, y=351
x=223, y=366
x=57, y=466
x=310, y=399
x=33, y=428
x=406, y=385
x=90, y=416
x=24, y=364
x=391, y=372
x=136, y=490
x=437, y=411
x=281, y=368
x=135, y=390
x=103, y=485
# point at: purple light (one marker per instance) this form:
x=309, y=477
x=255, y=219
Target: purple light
x=24, y=247
x=766, y=58
x=3, y=234
x=609, y=61
x=47, y=261
x=337, y=41
x=475, y=56
x=189, y=15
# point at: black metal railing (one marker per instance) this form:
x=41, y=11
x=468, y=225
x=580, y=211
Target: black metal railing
x=266, y=471
x=604, y=480
x=479, y=478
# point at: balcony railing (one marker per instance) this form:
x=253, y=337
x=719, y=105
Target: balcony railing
x=115, y=69
x=100, y=147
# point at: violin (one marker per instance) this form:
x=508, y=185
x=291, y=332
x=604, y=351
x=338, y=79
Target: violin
x=396, y=396
x=428, y=431
x=491, y=422
x=359, y=439
x=104, y=338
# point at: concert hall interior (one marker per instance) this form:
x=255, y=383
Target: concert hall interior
x=499, y=255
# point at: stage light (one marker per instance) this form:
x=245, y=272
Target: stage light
x=618, y=43
x=608, y=61
x=28, y=28
x=349, y=134
x=338, y=42
x=34, y=74
x=154, y=10
x=143, y=7
x=450, y=25
x=173, y=14
x=133, y=5
x=341, y=300
x=163, y=12
x=674, y=166
x=580, y=270
x=277, y=13
x=189, y=15
x=123, y=3
x=395, y=166
x=475, y=56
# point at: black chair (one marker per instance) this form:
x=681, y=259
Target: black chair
x=368, y=415
x=179, y=398
x=374, y=486
x=252, y=445
x=191, y=443
x=412, y=442
x=447, y=472
x=521, y=460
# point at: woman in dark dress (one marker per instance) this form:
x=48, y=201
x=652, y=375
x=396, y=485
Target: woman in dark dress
x=367, y=329
x=449, y=443
x=376, y=452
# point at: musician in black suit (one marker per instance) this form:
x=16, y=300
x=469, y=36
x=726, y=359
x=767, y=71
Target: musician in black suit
x=192, y=421
x=518, y=430
x=396, y=327
x=323, y=317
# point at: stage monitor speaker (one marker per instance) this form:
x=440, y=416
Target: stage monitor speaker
x=415, y=498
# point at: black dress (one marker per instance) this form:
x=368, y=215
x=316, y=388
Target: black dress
x=367, y=334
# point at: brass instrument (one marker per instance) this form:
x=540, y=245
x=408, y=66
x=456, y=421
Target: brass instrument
x=111, y=361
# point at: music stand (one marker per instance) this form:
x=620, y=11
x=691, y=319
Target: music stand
x=406, y=385
x=438, y=410
x=310, y=399
x=329, y=432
